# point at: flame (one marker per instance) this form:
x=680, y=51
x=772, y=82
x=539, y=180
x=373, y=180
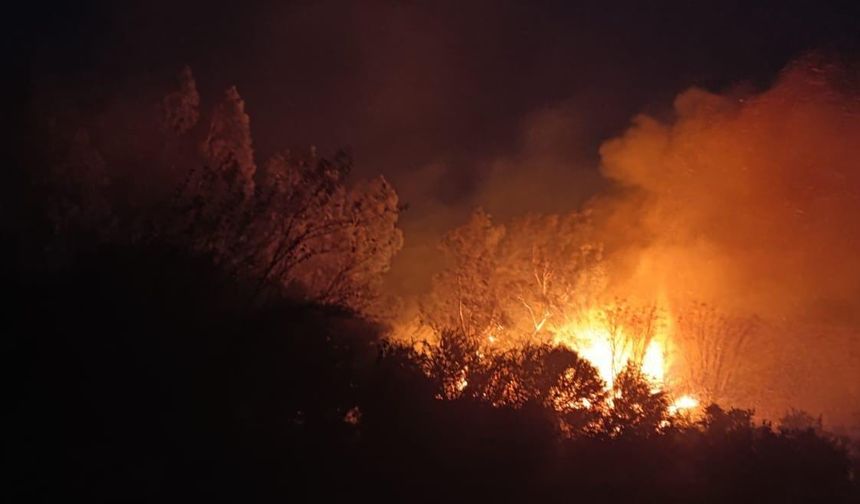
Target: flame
x=461, y=384
x=609, y=349
x=654, y=362
x=684, y=403
x=593, y=341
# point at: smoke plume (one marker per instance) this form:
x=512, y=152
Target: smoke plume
x=750, y=202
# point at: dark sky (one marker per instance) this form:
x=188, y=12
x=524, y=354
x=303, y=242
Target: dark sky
x=443, y=98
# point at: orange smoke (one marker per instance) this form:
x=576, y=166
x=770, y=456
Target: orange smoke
x=751, y=203
x=736, y=217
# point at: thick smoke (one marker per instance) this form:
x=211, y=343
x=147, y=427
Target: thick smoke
x=747, y=201
x=751, y=203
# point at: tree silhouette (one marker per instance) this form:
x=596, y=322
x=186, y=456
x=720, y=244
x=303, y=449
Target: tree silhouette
x=637, y=408
x=295, y=226
x=181, y=108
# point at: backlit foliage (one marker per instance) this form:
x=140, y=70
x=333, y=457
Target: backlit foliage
x=297, y=225
x=712, y=347
x=510, y=284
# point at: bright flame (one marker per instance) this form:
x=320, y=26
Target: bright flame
x=683, y=403
x=653, y=363
x=593, y=345
x=593, y=341
x=461, y=384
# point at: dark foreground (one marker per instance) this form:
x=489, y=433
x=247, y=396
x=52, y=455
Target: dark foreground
x=146, y=376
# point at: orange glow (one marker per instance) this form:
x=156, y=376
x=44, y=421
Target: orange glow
x=654, y=365
x=461, y=384
x=683, y=404
x=610, y=350
x=592, y=343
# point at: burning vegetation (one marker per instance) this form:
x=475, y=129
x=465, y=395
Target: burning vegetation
x=628, y=319
x=727, y=238
x=650, y=279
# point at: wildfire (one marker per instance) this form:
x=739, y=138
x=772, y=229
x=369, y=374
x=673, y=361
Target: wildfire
x=592, y=344
x=611, y=338
x=609, y=351
x=684, y=403
x=654, y=364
